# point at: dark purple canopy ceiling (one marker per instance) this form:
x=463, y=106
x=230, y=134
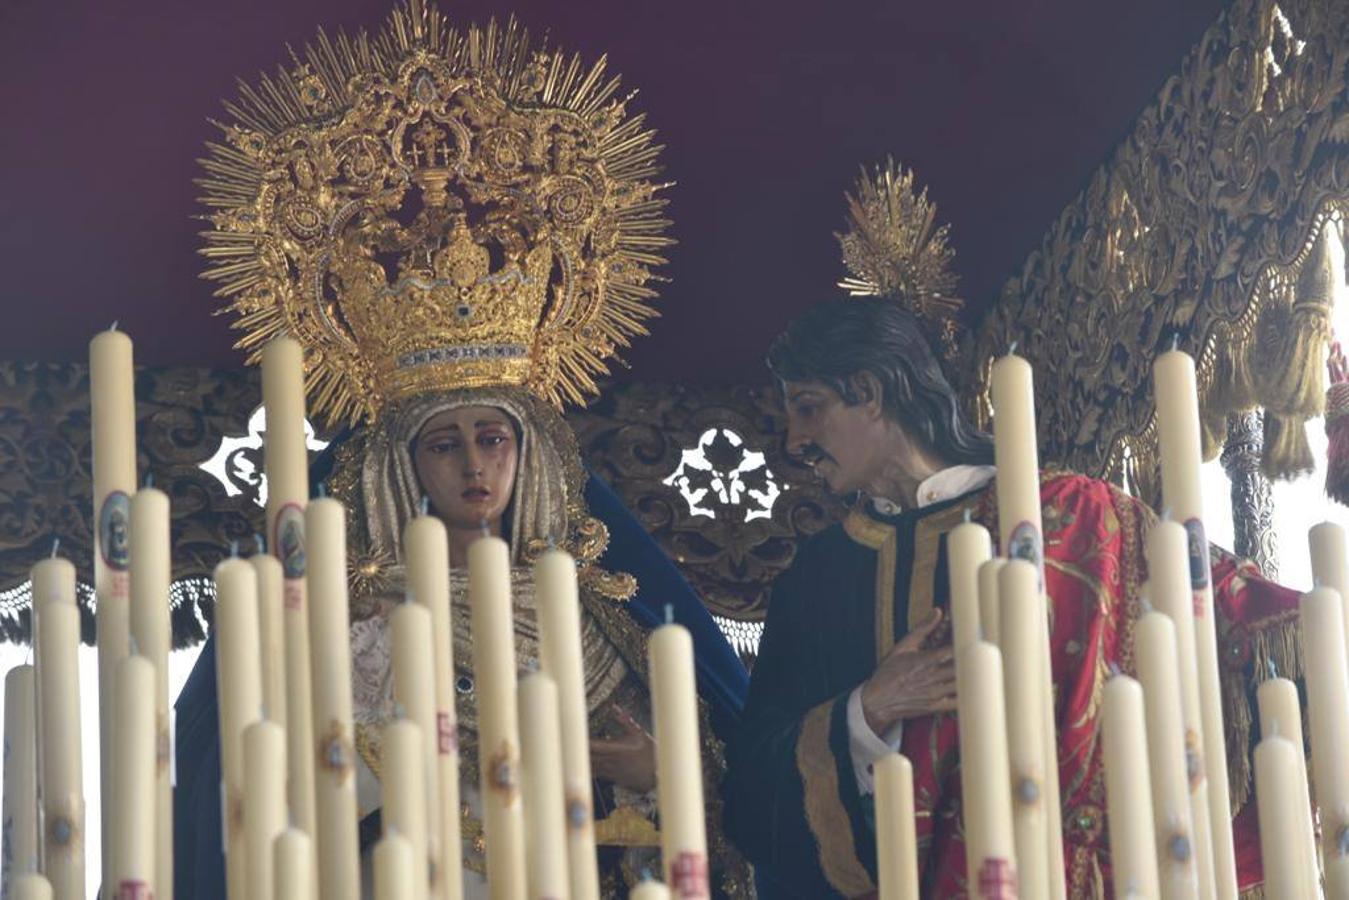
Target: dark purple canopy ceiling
x=1004, y=109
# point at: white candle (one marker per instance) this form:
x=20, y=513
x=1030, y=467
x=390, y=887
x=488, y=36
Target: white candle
x=264, y=804
x=489, y=595
x=1021, y=536
x=541, y=779
x=31, y=887
x=679, y=768
x=414, y=688
x=968, y=548
x=1328, y=718
x=990, y=616
x=272, y=634
x=896, y=830
x=1169, y=585
x=151, y=575
x=134, y=806
x=20, y=812
x=1330, y=561
x=112, y=409
x=1133, y=848
x=330, y=646
x=1281, y=714
x=240, y=678
x=1173, y=824
x=650, y=889
x=285, y=462
x=403, y=792
x=1178, y=444
x=61, y=789
x=428, y=564
x=394, y=860
x=1285, y=856
x=560, y=659
x=990, y=846
x=292, y=864
x=1019, y=597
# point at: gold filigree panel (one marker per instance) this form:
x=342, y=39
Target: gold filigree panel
x=1203, y=227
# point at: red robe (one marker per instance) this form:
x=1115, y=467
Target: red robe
x=855, y=589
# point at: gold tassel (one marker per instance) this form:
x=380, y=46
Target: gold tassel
x=1233, y=387
x=1287, y=453
x=1292, y=339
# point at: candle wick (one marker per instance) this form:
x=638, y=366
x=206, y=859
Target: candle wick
x=1166, y=514
x=262, y=711
x=531, y=666
x=646, y=874
x=1175, y=341
x=407, y=595
x=399, y=711
x=234, y=549
x=322, y=490
x=969, y=515
x=669, y=613
x=56, y=545
x=552, y=542
x=1144, y=603
x=1011, y=350
x=1115, y=670
x=482, y=526
x=260, y=542
x=133, y=648
x=149, y=479
x=1273, y=669
x=115, y=323
x=425, y=504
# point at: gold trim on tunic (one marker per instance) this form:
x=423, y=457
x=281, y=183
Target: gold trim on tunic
x=825, y=814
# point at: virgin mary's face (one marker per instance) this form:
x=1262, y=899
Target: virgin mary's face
x=466, y=461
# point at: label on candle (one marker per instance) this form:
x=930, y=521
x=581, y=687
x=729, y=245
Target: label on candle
x=688, y=875
x=1025, y=543
x=502, y=770
x=288, y=540
x=1199, y=566
x=1194, y=759
x=133, y=890
x=447, y=734
x=335, y=753
x=114, y=527
x=997, y=880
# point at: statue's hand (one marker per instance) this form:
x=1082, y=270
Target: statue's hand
x=910, y=681
x=628, y=760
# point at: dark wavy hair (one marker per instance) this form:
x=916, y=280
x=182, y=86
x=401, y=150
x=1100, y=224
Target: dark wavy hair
x=833, y=341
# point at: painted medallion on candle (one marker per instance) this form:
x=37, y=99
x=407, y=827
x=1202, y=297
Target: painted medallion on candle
x=289, y=540
x=114, y=527
x=688, y=876
x=1199, y=565
x=1026, y=543
x=447, y=734
x=997, y=880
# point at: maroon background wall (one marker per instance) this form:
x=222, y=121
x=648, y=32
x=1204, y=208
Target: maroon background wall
x=767, y=108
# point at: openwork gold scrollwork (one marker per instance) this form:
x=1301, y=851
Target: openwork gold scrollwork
x=1209, y=226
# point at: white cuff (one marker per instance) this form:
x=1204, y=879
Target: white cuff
x=865, y=746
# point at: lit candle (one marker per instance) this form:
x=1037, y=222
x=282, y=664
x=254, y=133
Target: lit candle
x=264, y=804
x=151, y=574
x=1173, y=825
x=1133, y=848
x=1281, y=714
x=330, y=646
x=489, y=595
x=394, y=859
x=31, y=887
x=240, y=678
x=112, y=415
x=560, y=659
x=134, y=808
x=679, y=766
x=1019, y=597
x=292, y=864
x=1328, y=718
x=428, y=565
x=1169, y=586
x=414, y=689
x=650, y=889
x=968, y=548
x=896, y=834
x=1021, y=536
x=403, y=792
x=1285, y=856
x=20, y=754
x=61, y=789
x=541, y=779
x=990, y=616
x=272, y=634
x=1179, y=448
x=1330, y=566
x=285, y=462
x=990, y=845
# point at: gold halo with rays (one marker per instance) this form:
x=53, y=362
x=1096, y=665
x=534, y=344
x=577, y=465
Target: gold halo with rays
x=434, y=207
x=893, y=248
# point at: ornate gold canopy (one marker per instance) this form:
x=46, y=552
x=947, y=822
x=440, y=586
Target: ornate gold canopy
x=433, y=207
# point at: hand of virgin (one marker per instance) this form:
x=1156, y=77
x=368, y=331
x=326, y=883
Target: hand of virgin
x=628, y=760
x=910, y=681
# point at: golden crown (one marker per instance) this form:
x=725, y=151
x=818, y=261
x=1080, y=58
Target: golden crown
x=433, y=208
x=893, y=248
